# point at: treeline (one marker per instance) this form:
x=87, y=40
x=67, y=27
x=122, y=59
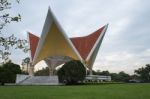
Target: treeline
x=116, y=77
x=9, y=70
x=140, y=75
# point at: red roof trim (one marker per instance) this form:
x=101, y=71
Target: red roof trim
x=33, y=39
x=82, y=44
x=86, y=43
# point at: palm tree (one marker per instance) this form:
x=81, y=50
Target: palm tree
x=26, y=62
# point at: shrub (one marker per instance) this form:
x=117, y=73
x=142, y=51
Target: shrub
x=8, y=72
x=72, y=72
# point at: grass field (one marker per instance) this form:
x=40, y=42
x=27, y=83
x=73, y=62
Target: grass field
x=104, y=91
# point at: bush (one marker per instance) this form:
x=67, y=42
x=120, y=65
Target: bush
x=8, y=72
x=72, y=72
x=42, y=72
x=120, y=77
x=143, y=73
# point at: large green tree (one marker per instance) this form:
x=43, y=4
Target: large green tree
x=72, y=72
x=8, y=72
x=144, y=73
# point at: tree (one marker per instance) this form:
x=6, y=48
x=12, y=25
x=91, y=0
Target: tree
x=72, y=72
x=114, y=77
x=105, y=73
x=8, y=72
x=144, y=73
x=7, y=41
x=26, y=62
x=5, y=18
x=124, y=77
x=42, y=72
x=120, y=77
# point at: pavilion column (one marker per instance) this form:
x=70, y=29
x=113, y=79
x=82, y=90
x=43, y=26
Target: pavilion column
x=54, y=63
x=31, y=70
x=50, y=71
x=89, y=66
x=49, y=64
x=86, y=66
x=90, y=71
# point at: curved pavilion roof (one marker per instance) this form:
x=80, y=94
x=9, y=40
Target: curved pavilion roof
x=54, y=42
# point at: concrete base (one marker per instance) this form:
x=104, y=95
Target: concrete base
x=37, y=80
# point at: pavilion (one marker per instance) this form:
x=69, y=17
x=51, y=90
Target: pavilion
x=55, y=48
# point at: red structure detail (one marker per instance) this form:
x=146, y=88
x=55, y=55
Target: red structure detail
x=82, y=44
x=86, y=43
x=33, y=39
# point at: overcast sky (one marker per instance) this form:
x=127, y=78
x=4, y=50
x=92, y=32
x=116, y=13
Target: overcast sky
x=126, y=44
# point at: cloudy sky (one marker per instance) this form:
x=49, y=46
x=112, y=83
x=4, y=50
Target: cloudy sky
x=126, y=44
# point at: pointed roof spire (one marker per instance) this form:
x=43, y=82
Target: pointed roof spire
x=33, y=42
x=85, y=44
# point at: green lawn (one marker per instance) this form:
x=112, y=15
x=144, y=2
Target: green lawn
x=103, y=91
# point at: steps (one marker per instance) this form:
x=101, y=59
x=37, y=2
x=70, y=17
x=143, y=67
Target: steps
x=39, y=80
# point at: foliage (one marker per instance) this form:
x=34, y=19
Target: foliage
x=6, y=42
x=26, y=63
x=8, y=72
x=43, y=72
x=121, y=77
x=117, y=77
x=98, y=72
x=72, y=72
x=144, y=73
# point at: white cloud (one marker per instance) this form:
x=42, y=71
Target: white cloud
x=122, y=61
